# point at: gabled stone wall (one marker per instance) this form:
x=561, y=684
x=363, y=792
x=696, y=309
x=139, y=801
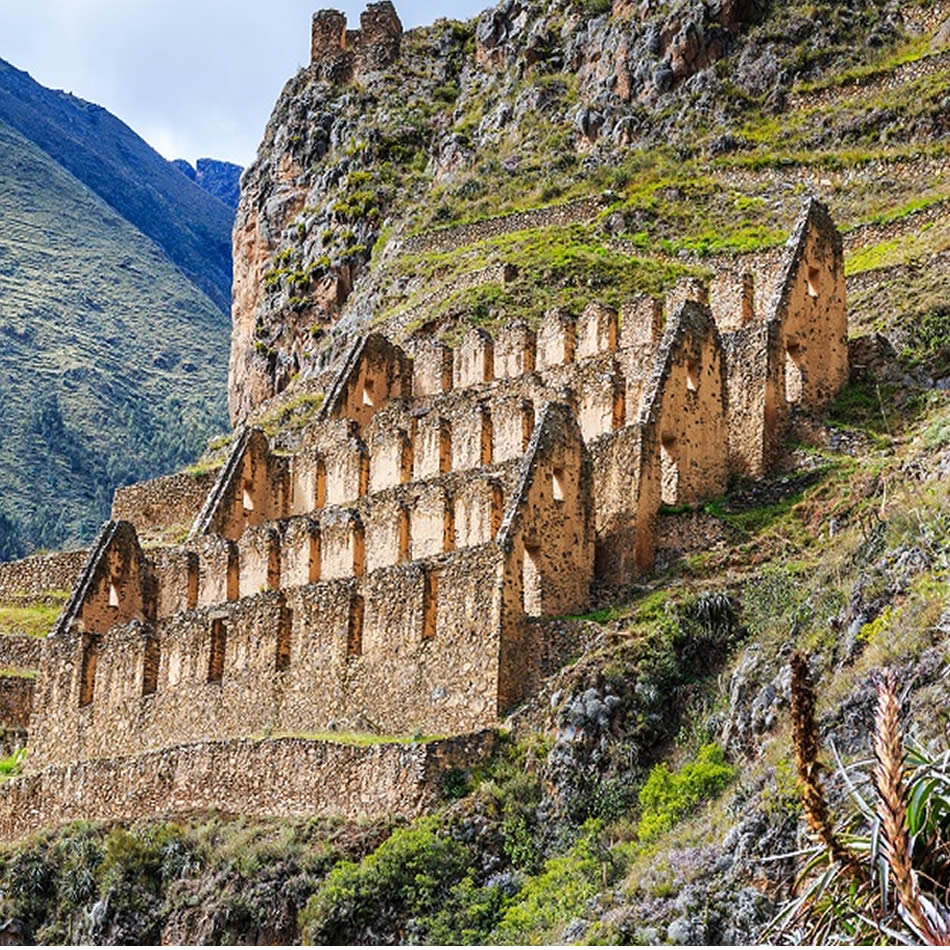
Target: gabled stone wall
x=385, y=572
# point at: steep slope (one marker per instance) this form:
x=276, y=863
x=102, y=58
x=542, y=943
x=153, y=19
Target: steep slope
x=221, y=179
x=669, y=113
x=112, y=365
x=189, y=224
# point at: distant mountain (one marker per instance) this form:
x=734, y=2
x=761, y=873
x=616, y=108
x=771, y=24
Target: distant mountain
x=221, y=179
x=113, y=361
x=192, y=226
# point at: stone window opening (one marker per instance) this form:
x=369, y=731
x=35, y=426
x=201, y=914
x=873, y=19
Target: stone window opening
x=430, y=605
x=448, y=526
x=193, y=579
x=557, y=484
x=284, y=627
x=405, y=461
x=488, y=438
x=320, y=487
x=219, y=636
x=248, y=500
x=233, y=579
x=445, y=447
x=531, y=580
x=669, y=470
x=273, y=562
x=87, y=675
x=369, y=387
x=354, y=631
x=814, y=282
x=359, y=550
x=315, y=561
x=793, y=372
x=113, y=596
x=150, y=666
x=619, y=415
x=402, y=528
x=364, y=475
x=692, y=375
x=527, y=427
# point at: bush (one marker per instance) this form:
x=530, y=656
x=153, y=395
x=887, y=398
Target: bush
x=559, y=893
x=667, y=796
x=595, y=7
x=410, y=873
x=12, y=764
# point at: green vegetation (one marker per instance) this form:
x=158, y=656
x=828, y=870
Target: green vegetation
x=12, y=764
x=411, y=872
x=846, y=557
x=111, y=362
x=292, y=414
x=34, y=620
x=361, y=739
x=668, y=797
x=881, y=870
x=13, y=672
x=150, y=873
x=881, y=65
x=558, y=267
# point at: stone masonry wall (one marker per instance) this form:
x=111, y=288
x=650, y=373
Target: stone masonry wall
x=340, y=55
x=20, y=652
x=16, y=702
x=407, y=648
x=168, y=502
x=383, y=575
x=875, y=84
x=448, y=239
x=41, y=573
x=284, y=778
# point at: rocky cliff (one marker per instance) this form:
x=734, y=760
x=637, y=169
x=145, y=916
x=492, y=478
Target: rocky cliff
x=520, y=106
x=220, y=179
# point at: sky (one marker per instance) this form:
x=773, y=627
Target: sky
x=194, y=78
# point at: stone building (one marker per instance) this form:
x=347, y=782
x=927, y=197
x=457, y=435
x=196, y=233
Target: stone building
x=385, y=574
x=340, y=55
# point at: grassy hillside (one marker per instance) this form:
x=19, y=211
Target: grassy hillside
x=112, y=364
x=191, y=225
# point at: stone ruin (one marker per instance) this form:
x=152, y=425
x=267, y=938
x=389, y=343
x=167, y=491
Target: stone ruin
x=390, y=572
x=340, y=55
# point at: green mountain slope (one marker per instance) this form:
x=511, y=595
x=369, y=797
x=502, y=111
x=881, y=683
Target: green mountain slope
x=112, y=363
x=189, y=223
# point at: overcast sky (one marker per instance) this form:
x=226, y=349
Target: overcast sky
x=195, y=78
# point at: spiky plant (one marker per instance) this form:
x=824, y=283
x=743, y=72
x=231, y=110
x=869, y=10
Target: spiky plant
x=882, y=873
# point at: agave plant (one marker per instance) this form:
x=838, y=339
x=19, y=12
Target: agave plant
x=881, y=873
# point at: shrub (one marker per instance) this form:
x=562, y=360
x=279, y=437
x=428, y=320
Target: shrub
x=411, y=872
x=595, y=7
x=558, y=893
x=667, y=796
x=12, y=764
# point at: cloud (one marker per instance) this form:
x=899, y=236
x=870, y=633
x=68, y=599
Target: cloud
x=195, y=78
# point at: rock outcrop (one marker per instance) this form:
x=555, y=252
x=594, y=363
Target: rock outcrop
x=373, y=125
x=220, y=179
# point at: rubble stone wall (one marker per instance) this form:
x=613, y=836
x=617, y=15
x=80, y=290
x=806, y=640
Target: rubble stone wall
x=41, y=573
x=172, y=501
x=285, y=778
